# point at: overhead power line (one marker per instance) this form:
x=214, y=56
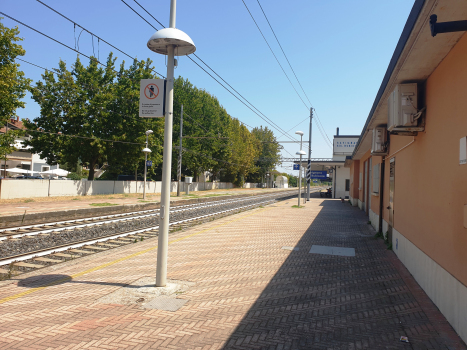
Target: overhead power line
x=86, y=30
x=325, y=137
x=91, y=58
x=267, y=43
x=247, y=104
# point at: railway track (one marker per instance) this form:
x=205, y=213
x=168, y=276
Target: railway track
x=43, y=228
x=13, y=263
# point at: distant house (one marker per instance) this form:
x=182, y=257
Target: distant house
x=22, y=157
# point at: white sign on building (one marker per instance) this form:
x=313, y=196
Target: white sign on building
x=344, y=145
x=152, y=98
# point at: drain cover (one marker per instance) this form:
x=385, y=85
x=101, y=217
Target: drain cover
x=291, y=248
x=339, y=251
x=166, y=303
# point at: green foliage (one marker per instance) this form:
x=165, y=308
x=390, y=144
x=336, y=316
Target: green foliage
x=106, y=204
x=75, y=176
x=269, y=153
x=13, y=85
x=97, y=103
x=213, y=140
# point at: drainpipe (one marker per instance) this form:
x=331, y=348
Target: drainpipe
x=381, y=195
x=335, y=180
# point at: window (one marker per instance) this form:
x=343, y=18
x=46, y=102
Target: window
x=45, y=168
x=376, y=178
x=347, y=184
x=360, y=181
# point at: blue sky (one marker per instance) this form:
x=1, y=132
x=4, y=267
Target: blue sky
x=339, y=49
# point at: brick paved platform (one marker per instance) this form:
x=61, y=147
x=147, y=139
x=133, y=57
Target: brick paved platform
x=249, y=293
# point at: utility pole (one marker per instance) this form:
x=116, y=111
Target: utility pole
x=179, y=168
x=4, y=164
x=170, y=42
x=309, y=155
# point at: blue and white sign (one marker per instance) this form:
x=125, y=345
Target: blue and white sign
x=149, y=163
x=296, y=167
x=314, y=174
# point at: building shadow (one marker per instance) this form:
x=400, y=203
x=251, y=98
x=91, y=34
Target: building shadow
x=319, y=301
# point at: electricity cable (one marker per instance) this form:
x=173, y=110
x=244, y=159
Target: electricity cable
x=262, y=116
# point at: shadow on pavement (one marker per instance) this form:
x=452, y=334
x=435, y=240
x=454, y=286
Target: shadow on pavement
x=333, y=302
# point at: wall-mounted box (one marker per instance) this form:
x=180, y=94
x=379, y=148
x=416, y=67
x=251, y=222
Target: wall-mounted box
x=463, y=150
x=403, y=107
x=379, y=141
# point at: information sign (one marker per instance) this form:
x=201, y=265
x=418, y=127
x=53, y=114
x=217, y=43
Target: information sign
x=152, y=98
x=296, y=167
x=149, y=163
x=314, y=174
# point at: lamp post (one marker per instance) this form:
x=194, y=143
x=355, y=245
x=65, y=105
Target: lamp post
x=300, y=153
x=146, y=150
x=300, y=170
x=170, y=42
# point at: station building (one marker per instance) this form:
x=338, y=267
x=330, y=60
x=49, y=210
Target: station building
x=408, y=170
x=343, y=147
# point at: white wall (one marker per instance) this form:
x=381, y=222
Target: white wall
x=448, y=294
x=24, y=188
x=341, y=176
x=65, y=188
x=27, y=188
x=374, y=218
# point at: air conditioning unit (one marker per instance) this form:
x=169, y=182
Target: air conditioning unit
x=379, y=145
x=403, y=108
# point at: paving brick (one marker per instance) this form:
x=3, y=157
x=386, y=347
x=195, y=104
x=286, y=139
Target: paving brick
x=248, y=294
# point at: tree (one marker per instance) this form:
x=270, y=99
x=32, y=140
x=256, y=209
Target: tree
x=205, y=127
x=89, y=115
x=269, y=152
x=244, y=149
x=13, y=85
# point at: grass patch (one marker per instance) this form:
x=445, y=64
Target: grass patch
x=76, y=199
x=296, y=206
x=102, y=204
x=214, y=195
x=28, y=200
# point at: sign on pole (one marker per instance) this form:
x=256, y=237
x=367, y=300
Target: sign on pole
x=314, y=174
x=296, y=167
x=149, y=163
x=152, y=98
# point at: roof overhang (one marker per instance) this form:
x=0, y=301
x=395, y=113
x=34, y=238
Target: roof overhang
x=416, y=56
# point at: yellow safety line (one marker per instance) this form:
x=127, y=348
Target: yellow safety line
x=65, y=279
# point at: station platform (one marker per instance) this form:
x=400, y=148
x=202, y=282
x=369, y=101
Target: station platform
x=246, y=281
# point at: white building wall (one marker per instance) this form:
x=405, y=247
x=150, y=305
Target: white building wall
x=448, y=294
x=341, y=175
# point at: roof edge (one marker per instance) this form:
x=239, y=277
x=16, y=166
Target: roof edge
x=409, y=25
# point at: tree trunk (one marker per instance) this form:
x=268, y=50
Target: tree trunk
x=92, y=164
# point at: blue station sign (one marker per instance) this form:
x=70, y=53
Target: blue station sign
x=314, y=174
x=296, y=167
x=149, y=163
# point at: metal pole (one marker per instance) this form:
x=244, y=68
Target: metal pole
x=300, y=182
x=4, y=164
x=163, y=241
x=179, y=174
x=300, y=171
x=309, y=155
x=145, y=168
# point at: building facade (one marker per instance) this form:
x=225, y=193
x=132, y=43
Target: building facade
x=343, y=147
x=22, y=157
x=408, y=171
